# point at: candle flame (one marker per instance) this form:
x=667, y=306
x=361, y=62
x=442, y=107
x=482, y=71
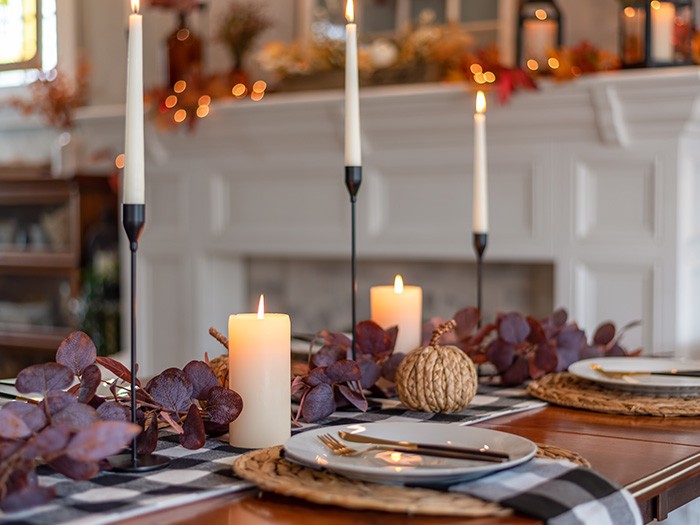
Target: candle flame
x=398, y=284
x=135, y=6
x=480, y=102
x=350, y=11
x=261, y=307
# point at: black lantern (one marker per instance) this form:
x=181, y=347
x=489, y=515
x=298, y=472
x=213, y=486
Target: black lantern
x=539, y=33
x=656, y=32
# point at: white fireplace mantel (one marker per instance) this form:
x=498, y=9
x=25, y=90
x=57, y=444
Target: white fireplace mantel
x=599, y=176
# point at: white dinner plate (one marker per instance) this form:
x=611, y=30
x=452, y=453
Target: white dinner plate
x=659, y=385
x=403, y=468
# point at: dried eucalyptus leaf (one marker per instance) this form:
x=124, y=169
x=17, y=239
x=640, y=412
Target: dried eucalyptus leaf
x=370, y=372
x=390, y=366
x=202, y=377
x=317, y=376
x=193, y=435
x=49, y=441
x=356, y=398
x=318, y=403
x=26, y=497
x=223, y=405
x=54, y=402
x=89, y=381
x=171, y=389
x=12, y=426
x=513, y=328
x=31, y=414
x=77, y=352
x=604, y=334
x=74, y=469
x=44, y=378
x=372, y=339
x=113, y=411
x=343, y=370
x=77, y=416
x=101, y=439
x=117, y=368
x=147, y=441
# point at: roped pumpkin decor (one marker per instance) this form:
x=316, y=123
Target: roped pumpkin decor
x=437, y=378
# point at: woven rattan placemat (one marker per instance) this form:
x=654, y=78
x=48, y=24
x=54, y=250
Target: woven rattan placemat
x=273, y=473
x=568, y=390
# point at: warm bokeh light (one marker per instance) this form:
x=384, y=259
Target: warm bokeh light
x=350, y=11
x=576, y=71
x=180, y=115
x=475, y=68
x=480, y=102
x=490, y=77
x=260, y=86
x=630, y=12
x=182, y=34
x=239, y=90
x=655, y=4
x=479, y=78
x=135, y=6
x=261, y=307
x=204, y=100
x=398, y=284
x=202, y=111
x=179, y=86
x=171, y=101
x=256, y=97
x=553, y=63
x=541, y=14
x=532, y=65
x=119, y=161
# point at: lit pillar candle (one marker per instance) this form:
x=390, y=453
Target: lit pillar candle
x=133, y=140
x=259, y=370
x=400, y=306
x=539, y=38
x=481, y=205
x=662, y=20
x=353, y=150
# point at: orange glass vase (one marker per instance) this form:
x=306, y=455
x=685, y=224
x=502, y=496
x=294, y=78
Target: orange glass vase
x=184, y=54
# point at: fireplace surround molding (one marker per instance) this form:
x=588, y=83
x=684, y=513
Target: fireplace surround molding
x=599, y=177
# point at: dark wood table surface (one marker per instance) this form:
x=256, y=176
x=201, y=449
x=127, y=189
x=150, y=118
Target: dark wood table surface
x=657, y=459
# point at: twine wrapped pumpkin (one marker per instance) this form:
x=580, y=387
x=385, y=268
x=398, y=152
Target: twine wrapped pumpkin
x=437, y=378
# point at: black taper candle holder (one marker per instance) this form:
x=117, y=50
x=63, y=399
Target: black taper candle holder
x=134, y=217
x=353, y=179
x=479, y=241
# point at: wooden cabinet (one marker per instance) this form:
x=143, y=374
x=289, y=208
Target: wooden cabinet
x=43, y=225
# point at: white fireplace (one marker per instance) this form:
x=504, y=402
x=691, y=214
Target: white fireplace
x=596, y=178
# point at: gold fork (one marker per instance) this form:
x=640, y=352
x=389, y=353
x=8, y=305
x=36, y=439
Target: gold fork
x=340, y=449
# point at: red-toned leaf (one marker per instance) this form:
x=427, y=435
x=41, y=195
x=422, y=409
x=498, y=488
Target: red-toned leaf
x=536, y=334
x=26, y=497
x=31, y=414
x=76, y=416
x=100, y=440
x=334, y=340
x=373, y=340
x=604, y=334
x=513, y=328
x=74, y=469
x=44, y=378
x=393, y=333
x=165, y=416
x=171, y=389
x=343, y=370
x=559, y=317
x=147, y=440
x=356, y=398
x=202, y=377
x=500, y=354
x=544, y=359
x=12, y=426
x=318, y=403
x=224, y=405
x=327, y=355
x=77, y=352
x=317, y=376
x=370, y=372
x=49, y=441
x=390, y=366
x=193, y=436
x=615, y=351
x=117, y=368
x=89, y=381
x=517, y=373
x=297, y=385
x=113, y=411
x=467, y=320
x=56, y=401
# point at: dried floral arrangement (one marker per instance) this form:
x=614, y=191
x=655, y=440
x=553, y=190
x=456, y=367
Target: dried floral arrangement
x=239, y=28
x=73, y=429
x=521, y=347
x=55, y=96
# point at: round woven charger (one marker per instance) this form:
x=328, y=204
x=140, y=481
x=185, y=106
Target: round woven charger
x=568, y=390
x=273, y=473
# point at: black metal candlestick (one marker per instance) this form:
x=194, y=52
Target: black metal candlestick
x=353, y=179
x=479, y=241
x=134, y=217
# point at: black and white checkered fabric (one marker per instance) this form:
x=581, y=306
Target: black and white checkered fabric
x=194, y=475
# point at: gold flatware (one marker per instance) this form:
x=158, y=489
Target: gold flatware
x=619, y=374
x=450, y=451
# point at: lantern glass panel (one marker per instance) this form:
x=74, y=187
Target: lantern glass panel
x=539, y=33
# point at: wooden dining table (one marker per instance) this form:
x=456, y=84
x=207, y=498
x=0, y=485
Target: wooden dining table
x=656, y=459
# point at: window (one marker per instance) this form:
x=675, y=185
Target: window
x=28, y=36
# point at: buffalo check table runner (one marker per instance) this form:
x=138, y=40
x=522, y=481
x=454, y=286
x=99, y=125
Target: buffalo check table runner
x=557, y=492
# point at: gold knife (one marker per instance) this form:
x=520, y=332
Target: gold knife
x=621, y=373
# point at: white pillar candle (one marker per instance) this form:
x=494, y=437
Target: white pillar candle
x=259, y=370
x=353, y=150
x=539, y=38
x=662, y=20
x=133, y=144
x=481, y=205
x=400, y=306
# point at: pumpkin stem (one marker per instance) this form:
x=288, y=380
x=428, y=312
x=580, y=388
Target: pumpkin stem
x=442, y=330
